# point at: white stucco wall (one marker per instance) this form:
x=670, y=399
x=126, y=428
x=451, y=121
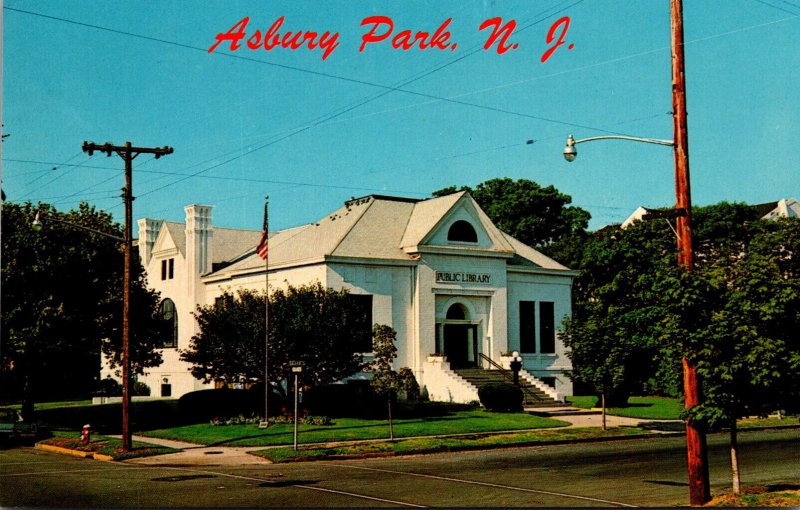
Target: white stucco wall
x=530, y=285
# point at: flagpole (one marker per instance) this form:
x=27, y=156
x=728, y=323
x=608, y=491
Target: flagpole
x=266, y=313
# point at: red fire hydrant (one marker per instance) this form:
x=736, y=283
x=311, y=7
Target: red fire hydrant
x=86, y=434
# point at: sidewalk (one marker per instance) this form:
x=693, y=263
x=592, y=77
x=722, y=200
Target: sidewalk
x=590, y=418
x=198, y=455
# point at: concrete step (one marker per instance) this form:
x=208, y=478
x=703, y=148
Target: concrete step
x=533, y=396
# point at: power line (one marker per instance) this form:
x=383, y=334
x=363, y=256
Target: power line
x=780, y=8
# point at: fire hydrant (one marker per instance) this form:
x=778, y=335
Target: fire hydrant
x=86, y=434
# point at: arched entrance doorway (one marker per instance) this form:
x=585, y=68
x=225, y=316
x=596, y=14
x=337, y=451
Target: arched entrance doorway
x=460, y=338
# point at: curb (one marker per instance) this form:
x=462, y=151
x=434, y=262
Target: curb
x=75, y=453
x=65, y=451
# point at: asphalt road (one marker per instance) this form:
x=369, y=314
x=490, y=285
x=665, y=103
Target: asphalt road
x=648, y=472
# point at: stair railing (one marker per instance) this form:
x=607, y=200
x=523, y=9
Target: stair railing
x=508, y=376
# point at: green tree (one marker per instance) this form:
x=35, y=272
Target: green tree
x=747, y=350
x=735, y=315
x=62, y=303
x=609, y=338
x=385, y=381
x=321, y=327
x=538, y=216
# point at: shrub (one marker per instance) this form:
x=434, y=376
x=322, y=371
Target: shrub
x=255, y=396
x=203, y=405
x=140, y=389
x=353, y=400
x=108, y=387
x=409, y=384
x=501, y=397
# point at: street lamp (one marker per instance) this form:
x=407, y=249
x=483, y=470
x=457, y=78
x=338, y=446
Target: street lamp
x=37, y=224
x=570, y=152
x=516, y=366
x=697, y=456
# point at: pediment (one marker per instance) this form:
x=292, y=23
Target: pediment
x=460, y=224
x=166, y=244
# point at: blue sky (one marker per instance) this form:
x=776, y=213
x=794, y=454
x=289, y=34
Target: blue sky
x=311, y=133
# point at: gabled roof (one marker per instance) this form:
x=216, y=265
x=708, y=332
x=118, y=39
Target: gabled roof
x=385, y=228
x=426, y=215
x=228, y=243
x=171, y=231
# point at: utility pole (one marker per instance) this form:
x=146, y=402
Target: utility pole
x=127, y=153
x=696, y=448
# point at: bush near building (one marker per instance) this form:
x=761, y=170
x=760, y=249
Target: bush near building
x=501, y=397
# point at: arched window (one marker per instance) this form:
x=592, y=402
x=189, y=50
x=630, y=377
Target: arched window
x=456, y=312
x=169, y=315
x=462, y=231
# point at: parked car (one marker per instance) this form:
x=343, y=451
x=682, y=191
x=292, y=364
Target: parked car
x=14, y=429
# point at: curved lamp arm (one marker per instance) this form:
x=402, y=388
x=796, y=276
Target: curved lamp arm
x=37, y=225
x=570, y=153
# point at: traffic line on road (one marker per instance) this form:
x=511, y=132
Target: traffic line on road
x=321, y=489
x=488, y=484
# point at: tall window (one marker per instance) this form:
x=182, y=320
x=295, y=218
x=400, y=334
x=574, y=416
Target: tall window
x=362, y=303
x=170, y=317
x=547, y=330
x=527, y=326
x=462, y=231
x=168, y=269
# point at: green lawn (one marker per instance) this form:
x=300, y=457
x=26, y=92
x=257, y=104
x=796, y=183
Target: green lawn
x=52, y=405
x=347, y=429
x=650, y=408
x=418, y=445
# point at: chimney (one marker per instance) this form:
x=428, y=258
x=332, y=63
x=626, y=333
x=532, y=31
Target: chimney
x=148, y=233
x=199, y=234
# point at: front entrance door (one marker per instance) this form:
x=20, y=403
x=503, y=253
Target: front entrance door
x=461, y=345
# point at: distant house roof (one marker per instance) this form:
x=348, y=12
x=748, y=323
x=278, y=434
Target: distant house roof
x=784, y=208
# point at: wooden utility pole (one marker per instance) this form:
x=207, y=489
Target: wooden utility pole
x=127, y=153
x=699, y=492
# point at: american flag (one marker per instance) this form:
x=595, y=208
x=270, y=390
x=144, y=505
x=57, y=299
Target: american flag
x=263, y=245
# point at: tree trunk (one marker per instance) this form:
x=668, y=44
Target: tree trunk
x=735, y=458
x=391, y=428
x=603, y=405
x=27, y=397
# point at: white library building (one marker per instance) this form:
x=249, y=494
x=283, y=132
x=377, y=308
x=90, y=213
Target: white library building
x=462, y=295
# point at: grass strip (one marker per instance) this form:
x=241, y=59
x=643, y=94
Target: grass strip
x=762, y=496
x=411, y=446
x=106, y=446
x=351, y=429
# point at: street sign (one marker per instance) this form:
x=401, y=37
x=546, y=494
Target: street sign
x=297, y=366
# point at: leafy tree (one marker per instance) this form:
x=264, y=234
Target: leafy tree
x=62, y=303
x=735, y=315
x=748, y=350
x=538, y=216
x=609, y=340
x=321, y=327
x=385, y=381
